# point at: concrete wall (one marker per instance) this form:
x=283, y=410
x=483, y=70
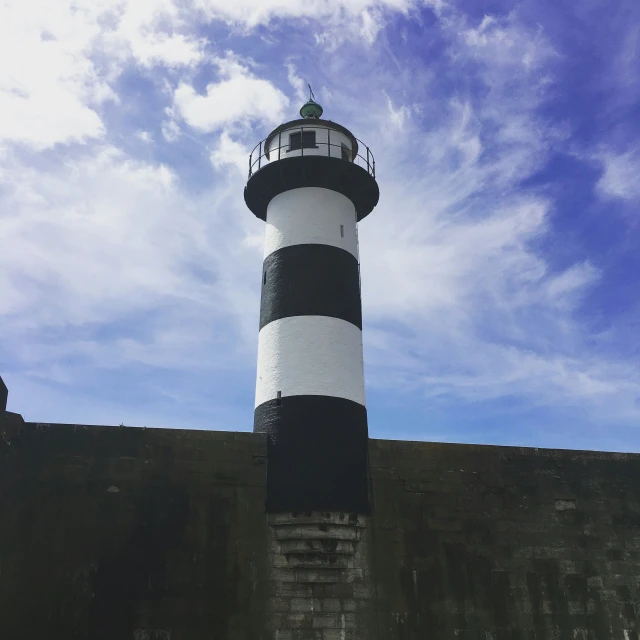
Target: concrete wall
x=320, y=578
x=144, y=534
x=498, y=543
x=111, y=533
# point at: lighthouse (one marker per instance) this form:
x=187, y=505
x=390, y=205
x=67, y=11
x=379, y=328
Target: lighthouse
x=311, y=180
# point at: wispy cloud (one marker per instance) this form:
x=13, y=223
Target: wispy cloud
x=460, y=298
x=128, y=253
x=621, y=175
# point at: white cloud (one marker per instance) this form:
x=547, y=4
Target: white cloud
x=458, y=300
x=298, y=84
x=144, y=136
x=428, y=260
x=105, y=238
x=84, y=236
x=172, y=50
x=478, y=371
x=335, y=20
x=44, y=118
x=151, y=33
x=60, y=61
x=170, y=128
x=47, y=84
x=239, y=98
x=228, y=152
x=398, y=116
x=621, y=176
x=507, y=42
x=251, y=13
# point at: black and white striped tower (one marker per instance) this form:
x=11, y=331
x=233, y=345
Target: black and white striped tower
x=312, y=181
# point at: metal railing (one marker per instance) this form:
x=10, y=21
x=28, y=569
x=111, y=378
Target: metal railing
x=262, y=156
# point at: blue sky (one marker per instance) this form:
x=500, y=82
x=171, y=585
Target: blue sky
x=499, y=270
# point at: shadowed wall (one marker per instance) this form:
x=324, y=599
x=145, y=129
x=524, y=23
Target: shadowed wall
x=144, y=534
x=501, y=543
x=124, y=533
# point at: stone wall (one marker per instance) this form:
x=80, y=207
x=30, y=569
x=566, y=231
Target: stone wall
x=320, y=579
x=501, y=543
x=111, y=533
x=117, y=533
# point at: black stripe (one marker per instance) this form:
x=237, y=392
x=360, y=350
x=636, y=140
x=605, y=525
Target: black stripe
x=317, y=453
x=310, y=280
x=347, y=178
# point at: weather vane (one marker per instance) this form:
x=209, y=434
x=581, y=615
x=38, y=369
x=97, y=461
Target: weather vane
x=311, y=96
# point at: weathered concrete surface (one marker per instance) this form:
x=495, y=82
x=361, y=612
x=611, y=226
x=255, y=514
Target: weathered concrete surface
x=7, y=418
x=498, y=543
x=320, y=580
x=111, y=533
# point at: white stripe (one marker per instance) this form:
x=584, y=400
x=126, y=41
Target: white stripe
x=310, y=215
x=310, y=355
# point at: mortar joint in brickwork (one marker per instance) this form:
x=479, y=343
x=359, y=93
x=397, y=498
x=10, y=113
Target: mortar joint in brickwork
x=317, y=561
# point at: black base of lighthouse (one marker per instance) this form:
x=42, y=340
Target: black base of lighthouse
x=317, y=454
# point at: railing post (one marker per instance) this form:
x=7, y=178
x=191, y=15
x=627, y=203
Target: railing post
x=329, y=141
x=301, y=141
x=279, y=144
x=368, y=169
x=260, y=155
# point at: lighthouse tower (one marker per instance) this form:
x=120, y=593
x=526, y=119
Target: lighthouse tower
x=312, y=181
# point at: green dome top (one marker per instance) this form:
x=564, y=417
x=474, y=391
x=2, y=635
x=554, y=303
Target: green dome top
x=311, y=109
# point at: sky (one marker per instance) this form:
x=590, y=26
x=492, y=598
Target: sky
x=500, y=270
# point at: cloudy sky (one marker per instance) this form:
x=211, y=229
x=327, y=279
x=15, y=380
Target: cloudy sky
x=500, y=270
